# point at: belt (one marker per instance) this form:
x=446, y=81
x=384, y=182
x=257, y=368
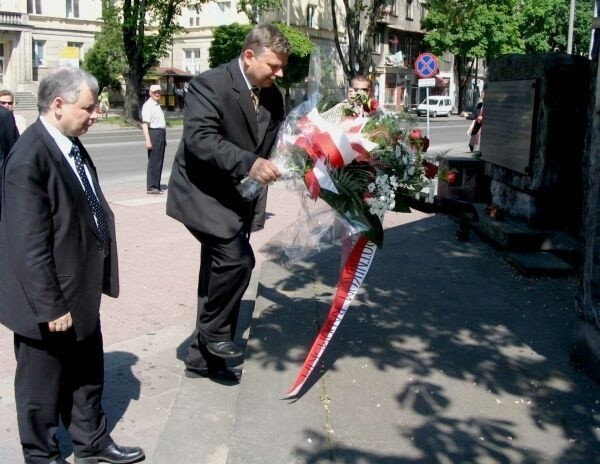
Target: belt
x=158, y=128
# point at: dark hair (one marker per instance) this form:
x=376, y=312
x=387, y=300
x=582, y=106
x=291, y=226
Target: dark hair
x=266, y=36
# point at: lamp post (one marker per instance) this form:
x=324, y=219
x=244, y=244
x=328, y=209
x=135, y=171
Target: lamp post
x=570, y=33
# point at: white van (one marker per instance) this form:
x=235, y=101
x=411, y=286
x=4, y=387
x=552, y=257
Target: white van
x=437, y=106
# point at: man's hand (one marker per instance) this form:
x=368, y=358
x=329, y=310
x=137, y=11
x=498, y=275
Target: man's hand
x=62, y=324
x=149, y=145
x=264, y=171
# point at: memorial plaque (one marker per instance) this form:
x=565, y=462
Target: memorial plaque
x=507, y=131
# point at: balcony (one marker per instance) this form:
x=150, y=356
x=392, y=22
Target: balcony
x=8, y=18
x=386, y=15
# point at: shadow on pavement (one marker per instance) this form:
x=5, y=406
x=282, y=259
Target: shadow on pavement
x=456, y=317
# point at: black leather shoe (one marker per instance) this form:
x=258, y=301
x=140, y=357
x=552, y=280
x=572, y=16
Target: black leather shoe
x=114, y=454
x=224, y=349
x=223, y=373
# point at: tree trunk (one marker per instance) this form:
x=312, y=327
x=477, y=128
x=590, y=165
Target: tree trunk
x=131, y=106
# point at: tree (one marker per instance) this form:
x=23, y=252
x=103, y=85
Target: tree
x=228, y=40
x=360, y=15
x=253, y=8
x=543, y=25
x=471, y=29
x=143, y=49
x=106, y=59
x=227, y=43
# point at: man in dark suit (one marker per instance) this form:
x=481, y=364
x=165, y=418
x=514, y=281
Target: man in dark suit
x=58, y=256
x=231, y=118
x=8, y=128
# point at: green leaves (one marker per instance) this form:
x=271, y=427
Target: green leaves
x=227, y=44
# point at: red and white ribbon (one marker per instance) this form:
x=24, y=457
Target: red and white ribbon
x=354, y=272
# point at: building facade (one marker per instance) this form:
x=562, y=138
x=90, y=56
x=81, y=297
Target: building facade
x=38, y=35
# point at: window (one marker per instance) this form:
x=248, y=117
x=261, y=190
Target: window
x=423, y=11
x=311, y=17
x=34, y=6
x=191, y=60
x=225, y=7
x=377, y=43
x=409, y=9
x=72, y=8
x=390, y=7
x=37, y=54
x=79, y=46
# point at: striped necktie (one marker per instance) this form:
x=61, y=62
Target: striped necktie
x=92, y=199
x=254, y=94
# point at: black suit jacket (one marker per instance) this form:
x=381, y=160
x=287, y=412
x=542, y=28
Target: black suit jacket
x=51, y=257
x=8, y=132
x=222, y=137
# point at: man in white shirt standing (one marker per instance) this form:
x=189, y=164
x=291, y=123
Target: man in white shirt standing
x=154, y=127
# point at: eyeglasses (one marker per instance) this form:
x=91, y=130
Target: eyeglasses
x=6, y=103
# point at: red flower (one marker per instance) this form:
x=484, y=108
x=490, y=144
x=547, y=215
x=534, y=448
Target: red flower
x=451, y=177
x=430, y=169
x=416, y=134
x=373, y=105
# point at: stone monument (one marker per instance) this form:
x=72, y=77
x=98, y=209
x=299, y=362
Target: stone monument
x=534, y=126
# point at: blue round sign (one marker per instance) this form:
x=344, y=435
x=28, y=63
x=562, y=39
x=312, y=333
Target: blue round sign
x=426, y=65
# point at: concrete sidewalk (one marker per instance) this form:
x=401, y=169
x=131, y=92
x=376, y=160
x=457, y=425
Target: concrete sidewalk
x=447, y=355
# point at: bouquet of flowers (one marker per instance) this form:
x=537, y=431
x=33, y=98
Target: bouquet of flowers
x=360, y=166
x=360, y=162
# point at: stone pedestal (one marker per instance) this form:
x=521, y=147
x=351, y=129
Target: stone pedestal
x=535, y=113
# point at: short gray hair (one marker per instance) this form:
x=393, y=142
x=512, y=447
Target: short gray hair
x=64, y=82
x=267, y=36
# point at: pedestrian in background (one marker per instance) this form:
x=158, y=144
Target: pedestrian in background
x=9, y=132
x=231, y=118
x=155, y=133
x=59, y=255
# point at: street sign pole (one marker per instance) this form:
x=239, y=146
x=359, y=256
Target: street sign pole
x=427, y=100
x=427, y=82
x=426, y=67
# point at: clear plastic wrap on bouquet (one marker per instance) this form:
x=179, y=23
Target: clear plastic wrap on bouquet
x=348, y=170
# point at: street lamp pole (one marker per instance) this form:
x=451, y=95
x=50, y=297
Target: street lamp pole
x=570, y=34
x=287, y=13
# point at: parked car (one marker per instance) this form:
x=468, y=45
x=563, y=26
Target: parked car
x=437, y=106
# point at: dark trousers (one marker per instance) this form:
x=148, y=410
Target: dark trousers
x=156, y=156
x=225, y=271
x=60, y=378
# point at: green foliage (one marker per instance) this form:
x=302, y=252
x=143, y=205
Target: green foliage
x=253, y=8
x=105, y=59
x=228, y=40
x=472, y=28
x=488, y=28
x=227, y=43
x=299, y=60
x=543, y=24
x=148, y=28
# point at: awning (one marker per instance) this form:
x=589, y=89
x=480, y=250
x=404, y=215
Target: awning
x=170, y=71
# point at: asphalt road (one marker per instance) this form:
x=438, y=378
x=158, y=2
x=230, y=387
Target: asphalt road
x=120, y=155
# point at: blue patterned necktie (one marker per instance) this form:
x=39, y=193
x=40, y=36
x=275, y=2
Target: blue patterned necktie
x=92, y=199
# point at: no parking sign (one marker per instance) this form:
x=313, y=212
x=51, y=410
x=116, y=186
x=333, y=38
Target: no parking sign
x=426, y=65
